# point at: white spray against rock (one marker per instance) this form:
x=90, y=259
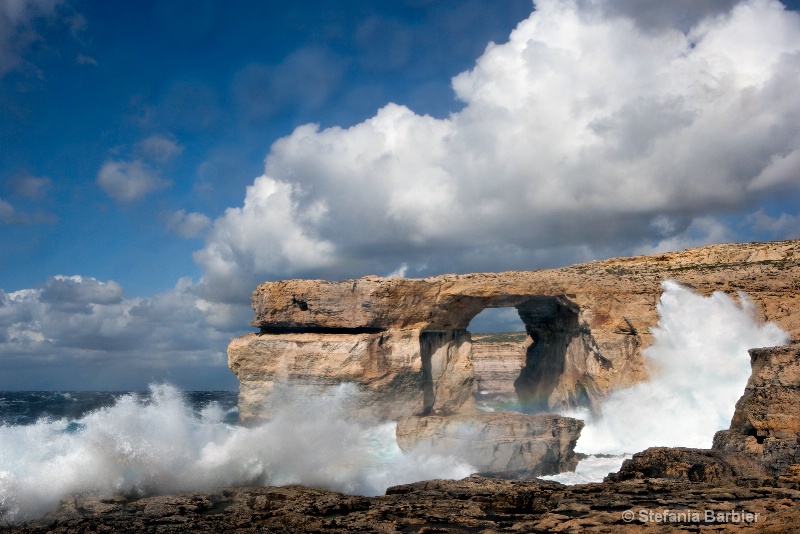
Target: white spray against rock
x=698, y=366
x=159, y=446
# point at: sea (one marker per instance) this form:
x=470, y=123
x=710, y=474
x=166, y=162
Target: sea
x=28, y=407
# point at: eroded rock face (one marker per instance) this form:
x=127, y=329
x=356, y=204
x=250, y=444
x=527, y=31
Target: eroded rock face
x=540, y=444
x=387, y=366
x=589, y=324
x=400, y=372
x=766, y=423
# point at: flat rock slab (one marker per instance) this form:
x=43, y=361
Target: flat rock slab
x=540, y=444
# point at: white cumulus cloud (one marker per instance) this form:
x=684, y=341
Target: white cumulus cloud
x=597, y=128
x=270, y=233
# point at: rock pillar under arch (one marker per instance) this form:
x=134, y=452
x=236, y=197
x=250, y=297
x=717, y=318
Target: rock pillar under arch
x=447, y=373
x=552, y=378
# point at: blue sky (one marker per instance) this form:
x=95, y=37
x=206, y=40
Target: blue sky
x=159, y=159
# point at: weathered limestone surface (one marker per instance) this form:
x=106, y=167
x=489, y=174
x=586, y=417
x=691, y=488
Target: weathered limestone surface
x=405, y=340
x=766, y=423
x=689, y=465
x=540, y=444
x=472, y=505
x=388, y=366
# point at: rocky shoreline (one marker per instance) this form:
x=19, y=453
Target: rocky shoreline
x=633, y=502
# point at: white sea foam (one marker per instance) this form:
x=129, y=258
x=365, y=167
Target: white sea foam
x=698, y=365
x=161, y=446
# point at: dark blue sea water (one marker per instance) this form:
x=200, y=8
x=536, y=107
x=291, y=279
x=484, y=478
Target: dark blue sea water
x=27, y=407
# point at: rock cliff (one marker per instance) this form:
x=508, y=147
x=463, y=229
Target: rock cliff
x=766, y=423
x=405, y=341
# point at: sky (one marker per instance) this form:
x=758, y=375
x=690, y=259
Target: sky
x=159, y=159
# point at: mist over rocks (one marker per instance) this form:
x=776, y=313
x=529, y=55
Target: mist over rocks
x=660, y=490
x=405, y=344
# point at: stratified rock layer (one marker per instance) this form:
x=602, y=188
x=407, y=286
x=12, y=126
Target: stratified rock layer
x=540, y=444
x=497, y=362
x=404, y=341
x=401, y=372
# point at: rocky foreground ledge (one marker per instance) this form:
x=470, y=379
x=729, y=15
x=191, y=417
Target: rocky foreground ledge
x=476, y=504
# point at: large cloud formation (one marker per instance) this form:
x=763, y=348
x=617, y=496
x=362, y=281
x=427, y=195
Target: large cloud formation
x=597, y=129
x=77, y=332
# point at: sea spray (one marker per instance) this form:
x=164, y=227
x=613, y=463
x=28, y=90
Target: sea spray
x=698, y=367
x=158, y=444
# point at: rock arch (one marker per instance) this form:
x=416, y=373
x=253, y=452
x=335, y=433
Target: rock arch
x=405, y=341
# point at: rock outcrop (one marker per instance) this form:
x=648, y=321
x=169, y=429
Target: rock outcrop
x=766, y=423
x=540, y=444
x=405, y=341
x=690, y=465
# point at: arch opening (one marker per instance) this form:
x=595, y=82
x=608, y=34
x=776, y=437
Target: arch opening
x=499, y=345
x=532, y=363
